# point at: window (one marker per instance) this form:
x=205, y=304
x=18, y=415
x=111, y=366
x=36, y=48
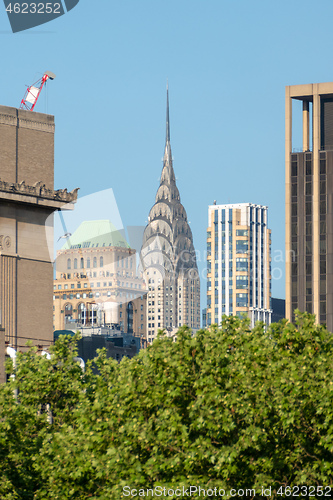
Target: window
x=75, y=263
x=95, y=262
x=88, y=263
x=241, y=246
x=242, y=232
x=241, y=282
x=69, y=264
x=241, y=264
x=241, y=299
x=81, y=263
x=101, y=262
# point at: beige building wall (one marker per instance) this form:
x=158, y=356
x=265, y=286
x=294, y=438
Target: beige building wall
x=98, y=284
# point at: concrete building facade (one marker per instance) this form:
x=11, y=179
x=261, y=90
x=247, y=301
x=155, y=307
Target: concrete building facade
x=238, y=262
x=96, y=282
x=27, y=198
x=309, y=204
x=168, y=257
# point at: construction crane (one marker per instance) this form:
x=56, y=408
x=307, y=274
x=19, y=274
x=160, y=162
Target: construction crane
x=32, y=93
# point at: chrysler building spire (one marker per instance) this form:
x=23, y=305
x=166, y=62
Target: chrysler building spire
x=168, y=257
x=167, y=153
x=167, y=137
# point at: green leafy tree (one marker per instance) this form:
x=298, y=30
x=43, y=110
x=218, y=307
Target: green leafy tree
x=228, y=408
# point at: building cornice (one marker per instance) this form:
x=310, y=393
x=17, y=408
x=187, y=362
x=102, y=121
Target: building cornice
x=37, y=194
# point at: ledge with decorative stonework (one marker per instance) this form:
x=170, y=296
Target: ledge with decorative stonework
x=37, y=194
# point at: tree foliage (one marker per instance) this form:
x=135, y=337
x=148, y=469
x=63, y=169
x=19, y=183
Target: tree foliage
x=228, y=408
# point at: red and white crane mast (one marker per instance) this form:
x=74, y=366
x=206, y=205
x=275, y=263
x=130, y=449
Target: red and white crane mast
x=32, y=93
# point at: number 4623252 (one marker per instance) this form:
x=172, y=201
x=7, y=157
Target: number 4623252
x=34, y=8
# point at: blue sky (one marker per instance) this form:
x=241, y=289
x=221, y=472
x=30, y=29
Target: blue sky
x=227, y=63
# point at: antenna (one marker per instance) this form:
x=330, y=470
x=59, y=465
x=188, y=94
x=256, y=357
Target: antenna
x=32, y=93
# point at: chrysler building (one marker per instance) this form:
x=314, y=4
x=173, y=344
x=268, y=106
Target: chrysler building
x=168, y=257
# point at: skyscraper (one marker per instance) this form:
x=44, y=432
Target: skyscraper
x=168, y=257
x=238, y=262
x=309, y=204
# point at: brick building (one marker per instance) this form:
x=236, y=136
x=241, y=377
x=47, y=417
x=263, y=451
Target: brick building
x=27, y=198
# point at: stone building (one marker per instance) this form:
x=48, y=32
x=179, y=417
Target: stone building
x=168, y=257
x=27, y=198
x=96, y=282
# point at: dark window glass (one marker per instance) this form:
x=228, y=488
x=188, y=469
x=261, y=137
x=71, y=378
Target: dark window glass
x=308, y=268
x=294, y=229
x=308, y=167
x=322, y=307
x=323, y=207
x=294, y=189
x=322, y=246
x=294, y=288
x=322, y=286
x=308, y=247
x=323, y=166
x=294, y=269
x=308, y=228
x=308, y=188
x=294, y=168
x=322, y=227
x=294, y=209
x=308, y=208
x=322, y=187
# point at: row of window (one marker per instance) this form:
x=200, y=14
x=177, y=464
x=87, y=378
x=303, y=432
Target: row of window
x=121, y=262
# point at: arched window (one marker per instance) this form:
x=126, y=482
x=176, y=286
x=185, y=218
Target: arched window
x=68, y=312
x=82, y=263
x=101, y=262
x=75, y=263
x=129, y=313
x=95, y=262
x=82, y=313
x=88, y=263
x=126, y=263
x=69, y=264
x=118, y=261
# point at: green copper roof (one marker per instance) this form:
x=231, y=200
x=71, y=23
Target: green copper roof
x=96, y=234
